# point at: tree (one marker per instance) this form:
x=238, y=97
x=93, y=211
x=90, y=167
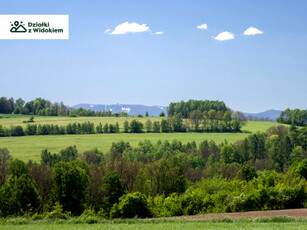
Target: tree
x=5, y=159
x=230, y=154
x=148, y=126
x=238, y=120
x=17, y=131
x=195, y=117
x=211, y=117
x=146, y=114
x=156, y=127
x=71, y=182
x=227, y=120
x=247, y=173
x=162, y=114
x=42, y=175
x=91, y=157
x=48, y=158
x=165, y=126
x=126, y=127
x=112, y=189
x=18, y=168
x=99, y=128
x=69, y=154
x=136, y=126
x=177, y=123
x=301, y=169
x=297, y=154
x=106, y=128
x=18, y=195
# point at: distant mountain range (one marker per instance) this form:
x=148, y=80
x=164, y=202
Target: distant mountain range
x=272, y=114
x=130, y=109
x=155, y=110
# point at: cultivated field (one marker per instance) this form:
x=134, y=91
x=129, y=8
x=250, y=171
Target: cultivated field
x=174, y=226
x=275, y=223
x=30, y=147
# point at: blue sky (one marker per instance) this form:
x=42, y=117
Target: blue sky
x=249, y=73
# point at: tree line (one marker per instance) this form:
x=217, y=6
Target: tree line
x=295, y=116
x=198, y=122
x=43, y=107
x=263, y=171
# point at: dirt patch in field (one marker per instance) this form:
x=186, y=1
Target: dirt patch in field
x=296, y=213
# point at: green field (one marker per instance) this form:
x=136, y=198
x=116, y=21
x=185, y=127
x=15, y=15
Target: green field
x=30, y=147
x=17, y=119
x=163, y=225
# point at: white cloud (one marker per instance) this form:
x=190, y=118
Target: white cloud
x=202, y=27
x=224, y=36
x=127, y=27
x=158, y=33
x=107, y=31
x=251, y=31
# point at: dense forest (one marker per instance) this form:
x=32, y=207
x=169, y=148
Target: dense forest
x=43, y=107
x=296, y=117
x=185, y=108
x=263, y=171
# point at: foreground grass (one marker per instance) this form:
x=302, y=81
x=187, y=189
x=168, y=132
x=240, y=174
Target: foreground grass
x=30, y=147
x=224, y=223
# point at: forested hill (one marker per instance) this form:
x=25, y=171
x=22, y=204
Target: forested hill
x=128, y=108
x=271, y=114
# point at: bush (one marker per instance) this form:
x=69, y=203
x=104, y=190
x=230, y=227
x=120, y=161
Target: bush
x=57, y=212
x=131, y=205
x=17, y=131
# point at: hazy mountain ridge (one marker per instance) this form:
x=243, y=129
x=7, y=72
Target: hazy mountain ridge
x=128, y=108
x=156, y=110
x=272, y=114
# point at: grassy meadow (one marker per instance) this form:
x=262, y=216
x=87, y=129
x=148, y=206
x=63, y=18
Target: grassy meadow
x=12, y=119
x=30, y=147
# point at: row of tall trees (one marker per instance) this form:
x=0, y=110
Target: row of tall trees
x=295, y=116
x=199, y=122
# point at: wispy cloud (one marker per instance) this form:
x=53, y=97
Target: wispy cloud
x=127, y=27
x=251, y=31
x=202, y=27
x=107, y=31
x=224, y=36
x=158, y=33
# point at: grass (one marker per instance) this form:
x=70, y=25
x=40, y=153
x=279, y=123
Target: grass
x=225, y=223
x=17, y=119
x=30, y=147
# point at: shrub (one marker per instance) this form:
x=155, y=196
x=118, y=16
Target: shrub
x=131, y=205
x=57, y=212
